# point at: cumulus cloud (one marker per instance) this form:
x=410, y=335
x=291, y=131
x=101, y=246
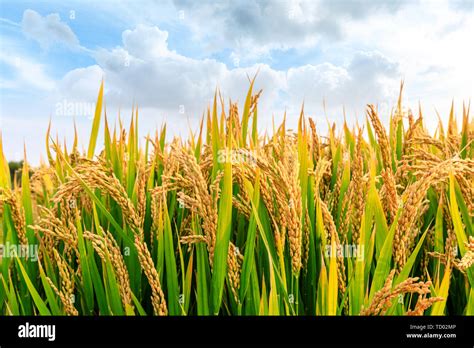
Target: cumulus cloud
x=81, y=83
x=156, y=77
x=48, y=30
x=257, y=27
x=146, y=42
x=145, y=71
x=368, y=77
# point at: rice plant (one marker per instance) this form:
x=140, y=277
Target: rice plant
x=363, y=221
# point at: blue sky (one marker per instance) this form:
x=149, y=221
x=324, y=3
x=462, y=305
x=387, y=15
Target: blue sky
x=169, y=56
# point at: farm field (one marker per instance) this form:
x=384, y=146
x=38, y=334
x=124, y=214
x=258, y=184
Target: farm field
x=363, y=220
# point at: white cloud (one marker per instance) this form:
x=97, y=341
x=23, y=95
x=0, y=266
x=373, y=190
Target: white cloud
x=27, y=73
x=254, y=28
x=143, y=70
x=369, y=77
x=146, y=42
x=430, y=42
x=48, y=30
x=81, y=83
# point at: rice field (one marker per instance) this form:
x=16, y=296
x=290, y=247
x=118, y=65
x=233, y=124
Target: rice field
x=363, y=220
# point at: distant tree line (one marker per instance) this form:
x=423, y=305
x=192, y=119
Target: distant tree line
x=15, y=171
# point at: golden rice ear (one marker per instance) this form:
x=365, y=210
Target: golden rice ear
x=146, y=262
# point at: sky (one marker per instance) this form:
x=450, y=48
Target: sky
x=168, y=58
